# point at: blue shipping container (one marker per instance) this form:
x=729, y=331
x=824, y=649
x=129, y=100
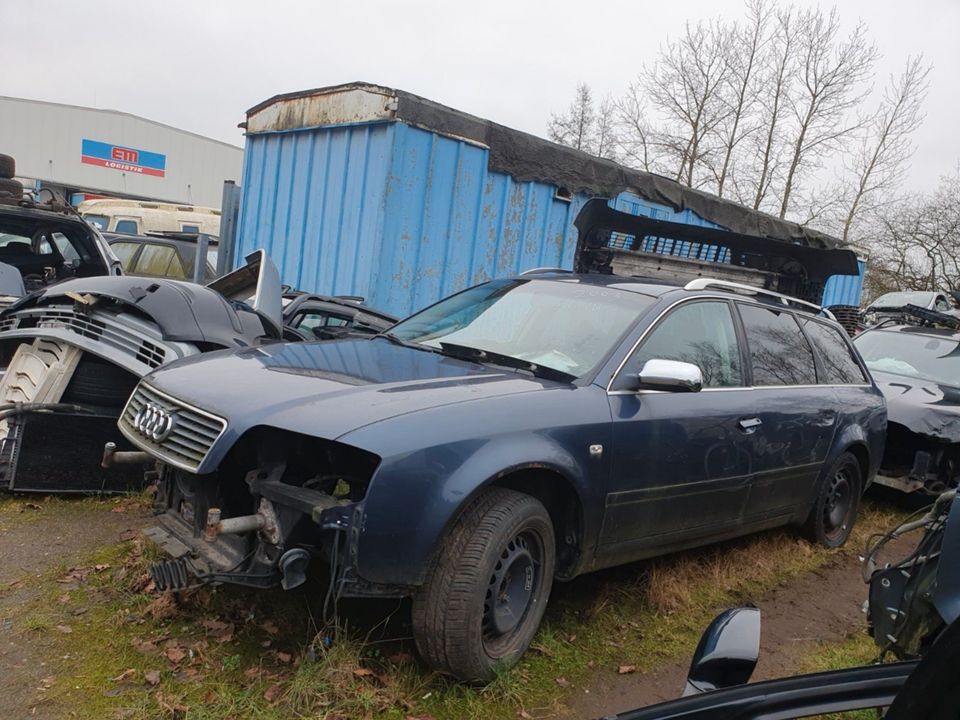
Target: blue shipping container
x=347, y=199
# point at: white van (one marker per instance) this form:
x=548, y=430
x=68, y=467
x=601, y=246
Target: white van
x=136, y=217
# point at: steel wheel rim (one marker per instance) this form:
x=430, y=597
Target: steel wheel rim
x=838, y=504
x=512, y=590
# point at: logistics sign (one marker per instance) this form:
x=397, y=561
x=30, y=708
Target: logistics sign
x=122, y=158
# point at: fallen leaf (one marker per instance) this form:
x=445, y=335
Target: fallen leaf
x=163, y=608
x=175, y=654
x=284, y=657
x=270, y=628
x=221, y=631
x=125, y=675
x=542, y=649
x=273, y=693
x=101, y=567
x=210, y=697
x=524, y=715
x=626, y=669
x=152, y=677
x=562, y=682
x=251, y=673
x=363, y=672
x=63, y=599
x=145, y=646
x=128, y=535
x=30, y=506
x=65, y=629
x=47, y=682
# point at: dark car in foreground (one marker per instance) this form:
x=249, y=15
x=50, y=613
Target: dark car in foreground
x=917, y=367
x=527, y=429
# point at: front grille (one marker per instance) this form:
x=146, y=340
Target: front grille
x=188, y=443
x=100, y=327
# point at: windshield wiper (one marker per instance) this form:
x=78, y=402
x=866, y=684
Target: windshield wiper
x=494, y=358
x=387, y=335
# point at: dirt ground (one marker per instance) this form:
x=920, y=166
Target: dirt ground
x=39, y=539
x=822, y=606
x=40, y=544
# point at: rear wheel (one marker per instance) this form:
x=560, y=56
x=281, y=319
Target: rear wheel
x=487, y=591
x=838, y=500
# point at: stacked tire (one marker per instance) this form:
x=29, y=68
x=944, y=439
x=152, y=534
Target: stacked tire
x=10, y=189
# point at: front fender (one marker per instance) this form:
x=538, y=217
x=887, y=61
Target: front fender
x=414, y=498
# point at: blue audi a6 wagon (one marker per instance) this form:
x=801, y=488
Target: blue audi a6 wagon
x=523, y=431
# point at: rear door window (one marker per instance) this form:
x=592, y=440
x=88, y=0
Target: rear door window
x=125, y=252
x=779, y=353
x=159, y=261
x=840, y=367
x=700, y=333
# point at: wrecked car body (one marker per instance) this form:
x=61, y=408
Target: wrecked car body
x=481, y=428
x=74, y=352
x=917, y=367
x=48, y=242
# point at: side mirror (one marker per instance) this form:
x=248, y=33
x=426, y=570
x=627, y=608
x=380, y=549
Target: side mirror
x=727, y=653
x=670, y=375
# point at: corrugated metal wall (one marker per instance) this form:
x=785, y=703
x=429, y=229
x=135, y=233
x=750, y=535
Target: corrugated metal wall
x=404, y=216
x=844, y=289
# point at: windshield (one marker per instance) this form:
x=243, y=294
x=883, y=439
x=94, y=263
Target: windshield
x=912, y=355
x=899, y=299
x=564, y=325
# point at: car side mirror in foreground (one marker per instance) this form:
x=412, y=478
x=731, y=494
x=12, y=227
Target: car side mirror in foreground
x=670, y=375
x=727, y=653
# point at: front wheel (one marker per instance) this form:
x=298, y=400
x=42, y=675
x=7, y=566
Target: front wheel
x=488, y=587
x=838, y=500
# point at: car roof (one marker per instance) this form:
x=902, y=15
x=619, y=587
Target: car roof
x=175, y=238
x=654, y=287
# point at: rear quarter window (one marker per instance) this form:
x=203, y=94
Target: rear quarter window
x=779, y=352
x=840, y=367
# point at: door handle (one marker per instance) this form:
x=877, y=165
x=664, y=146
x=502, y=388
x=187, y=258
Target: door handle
x=748, y=425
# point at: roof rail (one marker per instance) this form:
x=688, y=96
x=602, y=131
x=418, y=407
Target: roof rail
x=704, y=283
x=538, y=270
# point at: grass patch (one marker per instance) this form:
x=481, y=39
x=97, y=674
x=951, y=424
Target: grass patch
x=230, y=652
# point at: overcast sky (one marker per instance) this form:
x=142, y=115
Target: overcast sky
x=199, y=65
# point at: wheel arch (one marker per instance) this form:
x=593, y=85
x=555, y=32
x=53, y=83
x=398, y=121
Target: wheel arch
x=562, y=500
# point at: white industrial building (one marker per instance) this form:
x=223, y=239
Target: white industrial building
x=86, y=152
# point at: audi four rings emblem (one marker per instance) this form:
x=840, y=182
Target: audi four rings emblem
x=154, y=421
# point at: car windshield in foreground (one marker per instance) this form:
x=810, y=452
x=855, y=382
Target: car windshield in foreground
x=914, y=355
x=563, y=325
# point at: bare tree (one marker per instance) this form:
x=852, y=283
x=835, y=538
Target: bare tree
x=915, y=243
x=744, y=49
x=636, y=138
x=574, y=128
x=885, y=149
x=605, y=131
x=832, y=84
x=775, y=90
x=683, y=85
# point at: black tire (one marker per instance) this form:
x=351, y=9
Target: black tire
x=835, y=510
x=464, y=618
x=10, y=188
x=8, y=166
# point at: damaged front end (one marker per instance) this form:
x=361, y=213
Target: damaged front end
x=918, y=462
x=277, y=501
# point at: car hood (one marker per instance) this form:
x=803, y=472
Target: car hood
x=184, y=312
x=925, y=407
x=330, y=388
